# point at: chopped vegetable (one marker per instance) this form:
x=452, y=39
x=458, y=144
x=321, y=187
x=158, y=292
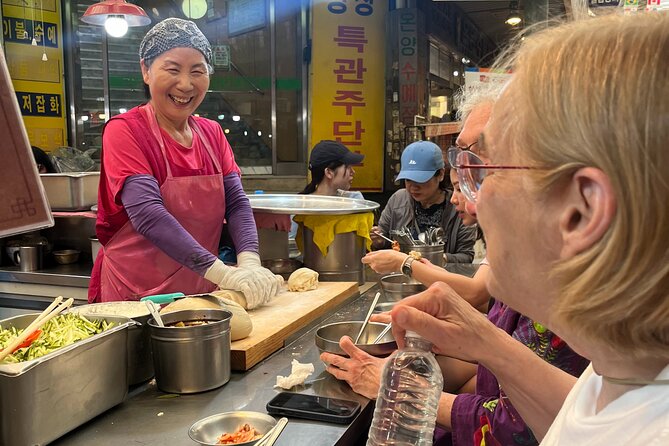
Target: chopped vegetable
x=29, y=340
x=243, y=434
x=61, y=331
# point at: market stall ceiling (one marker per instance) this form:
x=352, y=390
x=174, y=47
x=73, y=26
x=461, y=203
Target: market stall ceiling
x=489, y=16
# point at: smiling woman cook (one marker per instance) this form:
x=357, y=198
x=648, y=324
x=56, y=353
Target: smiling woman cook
x=168, y=181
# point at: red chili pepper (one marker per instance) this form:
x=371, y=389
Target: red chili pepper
x=29, y=340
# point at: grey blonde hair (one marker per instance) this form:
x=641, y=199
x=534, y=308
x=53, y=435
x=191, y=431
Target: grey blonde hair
x=470, y=97
x=595, y=93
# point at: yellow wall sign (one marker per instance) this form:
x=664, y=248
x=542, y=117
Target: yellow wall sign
x=33, y=38
x=348, y=81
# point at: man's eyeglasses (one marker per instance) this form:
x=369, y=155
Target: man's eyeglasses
x=453, y=151
x=472, y=171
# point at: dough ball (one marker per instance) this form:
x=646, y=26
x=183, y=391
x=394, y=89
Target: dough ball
x=240, y=323
x=303, y=279
x=235, y=296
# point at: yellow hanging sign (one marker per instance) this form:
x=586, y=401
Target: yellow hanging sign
x=348, y=82
x=33, y=37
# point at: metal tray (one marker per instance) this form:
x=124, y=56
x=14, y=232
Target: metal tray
x=71, y=191
x=309, y=204
x=43, y=399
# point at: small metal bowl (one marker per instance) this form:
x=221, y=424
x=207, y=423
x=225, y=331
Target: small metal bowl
x=66, y=256
x=328, y=336
x=283, y=267
x=207, y=430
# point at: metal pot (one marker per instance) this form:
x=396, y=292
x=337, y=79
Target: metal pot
x=342, y=262
x=398, y=286
x=433, y=253
x=95, y=246
x=193, y=358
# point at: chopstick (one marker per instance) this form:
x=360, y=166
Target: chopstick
x=271, y=436
x=369, y=314
x=383, y=333
x=45, y=316
x=384, y=237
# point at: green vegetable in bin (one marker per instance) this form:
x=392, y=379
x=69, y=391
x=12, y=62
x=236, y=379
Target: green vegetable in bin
x=61, y=331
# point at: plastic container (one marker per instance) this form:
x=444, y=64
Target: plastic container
x=406, y=408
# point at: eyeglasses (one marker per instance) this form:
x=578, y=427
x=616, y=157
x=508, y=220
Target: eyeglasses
x=472, y=171
x=453, y=151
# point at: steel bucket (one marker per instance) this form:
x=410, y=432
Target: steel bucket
x=191, y=359
x=433, y=253
x=343, y=260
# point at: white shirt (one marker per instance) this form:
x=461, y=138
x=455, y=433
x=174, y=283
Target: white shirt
x=638, y=417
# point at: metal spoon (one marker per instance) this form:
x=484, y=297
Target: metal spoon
x=383, y=333
x=154, y=312
x=369, y=314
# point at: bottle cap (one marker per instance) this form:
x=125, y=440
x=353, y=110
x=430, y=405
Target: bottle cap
x=412, y=334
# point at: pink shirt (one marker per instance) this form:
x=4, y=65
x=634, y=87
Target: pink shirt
x=129, y=149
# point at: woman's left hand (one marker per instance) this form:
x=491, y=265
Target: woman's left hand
x=385, y=261
x=360, y=370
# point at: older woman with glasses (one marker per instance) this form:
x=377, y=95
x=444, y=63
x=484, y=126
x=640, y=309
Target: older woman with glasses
x=586, y=257
x=462, y=407
x=424, y=204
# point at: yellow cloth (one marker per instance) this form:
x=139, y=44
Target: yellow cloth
x=325, y=227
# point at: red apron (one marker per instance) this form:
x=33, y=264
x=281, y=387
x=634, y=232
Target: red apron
x=133, y=267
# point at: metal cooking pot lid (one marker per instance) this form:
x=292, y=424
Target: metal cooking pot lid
x=309, y=204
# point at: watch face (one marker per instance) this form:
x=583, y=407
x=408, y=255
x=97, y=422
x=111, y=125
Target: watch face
x=194, y=9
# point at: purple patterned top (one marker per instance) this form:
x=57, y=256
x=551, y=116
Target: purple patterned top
x=489, y=400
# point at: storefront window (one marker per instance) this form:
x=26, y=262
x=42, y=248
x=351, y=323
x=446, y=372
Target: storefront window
x=255, y=95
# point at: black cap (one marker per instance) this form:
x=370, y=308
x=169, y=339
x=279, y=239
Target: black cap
x=328, y=151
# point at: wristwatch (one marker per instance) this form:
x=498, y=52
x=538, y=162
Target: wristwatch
x=406, y=266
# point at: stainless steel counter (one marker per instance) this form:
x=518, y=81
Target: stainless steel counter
x=151, y=417
x=73, y=275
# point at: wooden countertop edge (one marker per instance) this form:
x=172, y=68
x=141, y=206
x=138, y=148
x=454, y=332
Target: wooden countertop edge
x=242, y=360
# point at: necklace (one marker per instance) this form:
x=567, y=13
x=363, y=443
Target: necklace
x=636, y=381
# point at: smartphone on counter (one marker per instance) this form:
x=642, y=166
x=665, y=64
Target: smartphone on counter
x=313, y=407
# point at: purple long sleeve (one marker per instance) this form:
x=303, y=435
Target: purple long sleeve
x=238, y=214
x=148, y=215
x=490, y=401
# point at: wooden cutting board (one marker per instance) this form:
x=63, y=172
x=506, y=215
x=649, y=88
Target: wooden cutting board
x=284, y=315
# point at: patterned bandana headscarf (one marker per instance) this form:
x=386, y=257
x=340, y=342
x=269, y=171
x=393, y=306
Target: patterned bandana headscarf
x=174, y=33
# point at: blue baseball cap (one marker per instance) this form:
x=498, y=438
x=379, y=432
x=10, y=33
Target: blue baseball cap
x=420, y=161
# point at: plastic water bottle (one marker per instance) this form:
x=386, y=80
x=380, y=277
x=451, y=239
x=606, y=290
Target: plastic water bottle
x=406, y=408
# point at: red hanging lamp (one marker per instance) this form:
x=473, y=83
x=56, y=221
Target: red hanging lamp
x=116, y=16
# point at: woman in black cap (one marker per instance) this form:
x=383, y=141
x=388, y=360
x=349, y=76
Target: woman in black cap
x=168, y=181
x=331, y=167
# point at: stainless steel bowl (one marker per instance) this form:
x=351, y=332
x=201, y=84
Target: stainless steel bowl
x=207, y=430
x=283, y=267
x=66, y=256
x=328, y=336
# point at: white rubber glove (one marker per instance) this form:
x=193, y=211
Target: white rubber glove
x=259, y=285
x=265, y=279
x=238, y=279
